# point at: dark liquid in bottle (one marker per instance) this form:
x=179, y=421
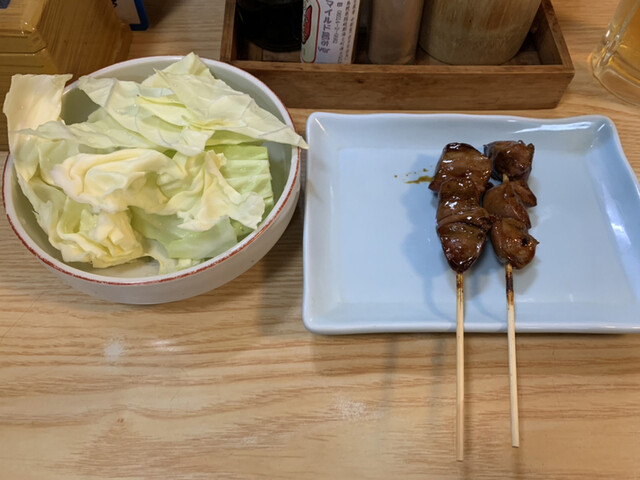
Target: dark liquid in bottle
x=274, y=25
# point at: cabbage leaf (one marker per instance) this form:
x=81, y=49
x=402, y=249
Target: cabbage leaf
x=172, y=168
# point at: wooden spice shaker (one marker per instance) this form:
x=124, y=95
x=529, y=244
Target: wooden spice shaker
x=393, y=31
x=470, y=32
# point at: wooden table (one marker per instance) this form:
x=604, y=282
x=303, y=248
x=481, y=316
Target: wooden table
x=230, y=385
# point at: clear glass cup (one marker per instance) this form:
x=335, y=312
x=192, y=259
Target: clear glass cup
x=616, y=60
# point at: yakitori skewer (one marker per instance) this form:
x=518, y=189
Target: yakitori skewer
x=460, y=179
x=511, y=241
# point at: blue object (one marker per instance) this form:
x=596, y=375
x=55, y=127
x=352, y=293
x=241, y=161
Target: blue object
x=131, y=12
x=142, y=14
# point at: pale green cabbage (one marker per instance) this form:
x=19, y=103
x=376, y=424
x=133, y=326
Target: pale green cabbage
x=170, y=169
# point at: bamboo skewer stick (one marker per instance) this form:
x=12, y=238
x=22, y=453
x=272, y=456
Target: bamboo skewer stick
x=459, y=367
x=511, y=340
x=513, y=378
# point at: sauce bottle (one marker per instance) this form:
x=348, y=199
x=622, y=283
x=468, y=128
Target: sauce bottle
x=329, y=30
x=271, y=24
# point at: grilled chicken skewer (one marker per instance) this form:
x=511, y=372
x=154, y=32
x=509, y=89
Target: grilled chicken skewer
x=461, y=177
x=507, y=203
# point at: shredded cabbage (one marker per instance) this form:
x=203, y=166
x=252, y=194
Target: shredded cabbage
x=172, y=168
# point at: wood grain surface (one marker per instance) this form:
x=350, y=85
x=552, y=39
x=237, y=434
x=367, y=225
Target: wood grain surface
x=230, y=385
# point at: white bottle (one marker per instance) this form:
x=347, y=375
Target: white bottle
x=329, y=29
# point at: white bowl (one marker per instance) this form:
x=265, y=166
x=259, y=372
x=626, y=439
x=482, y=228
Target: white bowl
x=136, y=283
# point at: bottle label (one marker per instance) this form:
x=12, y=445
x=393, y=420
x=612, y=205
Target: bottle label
x=328, y=30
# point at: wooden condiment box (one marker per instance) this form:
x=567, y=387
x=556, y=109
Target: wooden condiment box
x=58, y=36
x=536, y=78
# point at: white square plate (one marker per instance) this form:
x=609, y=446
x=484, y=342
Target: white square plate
x=373, y=261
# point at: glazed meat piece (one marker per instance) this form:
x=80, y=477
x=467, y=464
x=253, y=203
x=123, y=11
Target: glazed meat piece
x=459, y=201
x=462, y=244
x=462, y=224
x=512, y=242
x=511, y=158
x=510, y=200
x=460, y=160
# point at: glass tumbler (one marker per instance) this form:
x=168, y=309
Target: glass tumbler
x=616, y=60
